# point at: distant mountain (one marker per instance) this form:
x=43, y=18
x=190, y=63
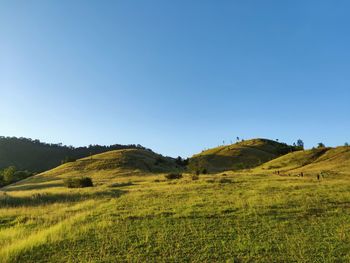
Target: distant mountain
x=238, y=156
x=36, y=156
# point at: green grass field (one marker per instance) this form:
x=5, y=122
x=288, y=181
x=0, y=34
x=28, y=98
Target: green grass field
x=142, y=217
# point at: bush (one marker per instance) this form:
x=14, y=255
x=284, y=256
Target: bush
x=78, y=182
x=8, y=174
x=225, y=181
x=204, y=171
x=19, y=175
x=172, y=176
x=195, y=177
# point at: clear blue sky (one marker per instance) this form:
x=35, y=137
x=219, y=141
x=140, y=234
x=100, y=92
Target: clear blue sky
x=175, y=76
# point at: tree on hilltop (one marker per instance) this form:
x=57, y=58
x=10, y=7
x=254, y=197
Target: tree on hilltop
x=300, y=143
x=320, y=145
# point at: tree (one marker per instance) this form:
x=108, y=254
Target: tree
x=179, y=161
x=8, y=174
x=300, y=143
x=346, y=144
x=320, y=145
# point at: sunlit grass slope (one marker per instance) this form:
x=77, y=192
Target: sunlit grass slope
x=242, y=155
x=232, y=218
x=103, y=168
x=127, y=159
x=334, y=160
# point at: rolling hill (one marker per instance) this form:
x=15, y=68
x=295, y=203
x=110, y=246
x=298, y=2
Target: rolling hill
x=336, y=160
x=135, y=214
x=105, y=167
x=125, y=160
x=242, y=155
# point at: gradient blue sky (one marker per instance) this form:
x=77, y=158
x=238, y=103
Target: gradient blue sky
x=175, y=76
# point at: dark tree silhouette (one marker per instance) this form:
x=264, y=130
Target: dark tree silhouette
x=300, y=143
x=36, y=156
x=320, y=145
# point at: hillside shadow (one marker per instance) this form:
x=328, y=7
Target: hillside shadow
x=32, y=186
x=39, y=199
x=33, y=183
x=220, y=163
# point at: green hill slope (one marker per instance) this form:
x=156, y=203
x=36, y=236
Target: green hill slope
x=102, y=168
x=242, y=155
x=126, y=159
x=311, y=161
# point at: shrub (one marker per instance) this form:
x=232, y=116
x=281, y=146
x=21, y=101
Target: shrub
x=204, y=171
x=181, y=162
x=19, y=175
x=172, y=176
x=195, y=177
x=225, y=181
x=78, y=182
x=240, y=166
x=8, y=174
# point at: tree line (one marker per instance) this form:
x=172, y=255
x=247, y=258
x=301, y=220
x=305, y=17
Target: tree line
x=36, y=156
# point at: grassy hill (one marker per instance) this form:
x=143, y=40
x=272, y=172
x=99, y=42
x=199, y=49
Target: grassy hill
x=134, y=214
x=242, y=155
x=36, y=156
x=334, y=160
x=104, y=168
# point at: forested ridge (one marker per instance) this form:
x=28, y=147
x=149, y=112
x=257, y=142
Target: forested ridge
x=37, y=156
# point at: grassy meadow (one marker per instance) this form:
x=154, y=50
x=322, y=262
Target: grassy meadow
x=136, y=217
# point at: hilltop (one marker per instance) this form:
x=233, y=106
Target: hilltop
x=324, y=159
x=238, y=156
x=120, y=160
